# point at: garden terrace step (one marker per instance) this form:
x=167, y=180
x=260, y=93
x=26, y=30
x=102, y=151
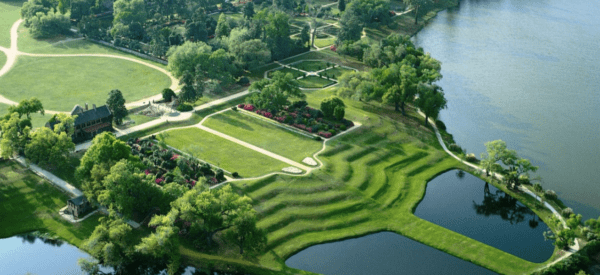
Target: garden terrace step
x=361, y=153
x=336, y=150
x=328, y=197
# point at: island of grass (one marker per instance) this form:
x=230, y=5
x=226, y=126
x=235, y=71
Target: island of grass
x=311, y=65
x=314, y=82
x=295, y=73
x=223, y=153
x=335, y=72
x=264, y=134
x=324, y=42
x=62, y=82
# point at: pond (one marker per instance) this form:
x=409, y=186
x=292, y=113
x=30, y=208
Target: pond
x=32, y=254
x=467, y=205
x=380, y=253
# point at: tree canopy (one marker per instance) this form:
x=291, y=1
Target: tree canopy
x=116, y=105
x=275, y=92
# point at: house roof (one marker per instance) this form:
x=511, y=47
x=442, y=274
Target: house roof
x=78, y=200
x=76, y=110
x=92, y=114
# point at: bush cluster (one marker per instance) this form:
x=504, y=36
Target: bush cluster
x=574, y=263
x=184, y=107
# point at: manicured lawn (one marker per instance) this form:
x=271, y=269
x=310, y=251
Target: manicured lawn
x=324, y=42
x=29, y=203
x=60, y=83
x=337, y=71
x=9, y=14
x=223, y=153
x=139, y=119
x=2, y=59
x=264, y=135
x=313, y=82
x=295, y=73
x=310, y=66
x=37, y=120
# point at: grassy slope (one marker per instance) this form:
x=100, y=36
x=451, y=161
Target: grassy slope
x=9, y=13
x=60, y=83
x=313, y=82
x=223, y=153
x=372, y=181
x=264, y=135
x=30, y=203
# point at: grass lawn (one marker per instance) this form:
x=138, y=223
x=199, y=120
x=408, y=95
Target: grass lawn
x=60, y=83
x=29, y=203
x=264, y=135
x=2, y=59
x=37, y=120
x=295, y=73
x=259, y=72
x=313, y=82
x=223, y=153
x=324, y=42
x=337, y=71
x=310, y=66
x=139, y=119
x=9, y=14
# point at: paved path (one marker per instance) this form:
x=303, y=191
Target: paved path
x=63, y=185
x=12, y=53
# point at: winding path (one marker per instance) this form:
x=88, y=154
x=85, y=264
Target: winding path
x=12, y=53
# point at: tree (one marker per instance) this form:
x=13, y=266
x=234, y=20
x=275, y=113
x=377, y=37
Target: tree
x=168, y=94
x=339, y=113
x=401, y=83
x=248, y=11
x=196, y=30
x=574, y=221
x=245, y=234
x=275, y=92
x=164, y=241
x=27, y=107
x=431, y=100
x=223, y=27
x=350, y=28
x=305, y=34
x=190, y=92
x=562, y=239
x=495, y=151
x=250, y=54
x=14, y=135
x=185, y=57
x=329, y=105
x=417, y=5
x=341, y=5
x=370, y=12
x=277, y=34
x=49, y=25
x=48, y=147
x=63, y=123
x=116, y=105
x=110, y=243
x=31, y=8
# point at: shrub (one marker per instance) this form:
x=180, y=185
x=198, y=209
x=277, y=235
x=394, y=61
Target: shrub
x=333, y=132
x=343, y=127
x=235, y=174
x=249, y=107
x=234, y=108
x=567, y=212
x=550, y=195
x=325, y=134
x=241, y=106
x=471, y=157
x=455, y=148
x=219, y=175
x=538, y=187
x=318, y=138
x=329, y=105
x=339, y=112
x=184, y=107
x=440, y=125
x=48, y=25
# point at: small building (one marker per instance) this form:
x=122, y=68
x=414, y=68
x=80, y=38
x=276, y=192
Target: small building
x=89, y=122
x=78, y=207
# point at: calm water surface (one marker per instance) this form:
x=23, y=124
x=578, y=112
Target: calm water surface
x=526, y=72
x=380, y=253
x=466, y=204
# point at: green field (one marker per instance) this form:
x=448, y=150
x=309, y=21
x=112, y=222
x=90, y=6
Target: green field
x=264, y=135
x=9, y=14
x=139, y=119
x=311, y=66
x=29, y=203
x=373, y=179
x=223, y=153
x=37, y=120
x=60, y=83
x=2, y=59
x=313, y=82
x=295, y=73
x=337, y=71
x=324, y=42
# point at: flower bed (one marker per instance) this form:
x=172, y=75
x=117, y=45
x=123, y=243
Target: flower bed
x=305, y=118
x=168, y=166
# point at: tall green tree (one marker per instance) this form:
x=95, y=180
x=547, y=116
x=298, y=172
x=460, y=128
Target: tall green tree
x=245, y=234
x=419, y=6
x=250, y=54
x=329, y=105
x=223, y=27
x=401, y=83
x=185, y=57
x=116, y=105
x=350, y=28
x=27, y=107
x=110, y=243
x=275, y=92
x=431, y=100
x=248, y=11
x=191, y=90
x=48, y=147
x=341, y=5
x=15, y=133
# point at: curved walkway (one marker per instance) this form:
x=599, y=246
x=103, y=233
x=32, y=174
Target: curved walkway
x=12, y=53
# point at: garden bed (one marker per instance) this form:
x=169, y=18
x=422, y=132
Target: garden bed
x=305, y=118
x=169, y=166
x=314, y=82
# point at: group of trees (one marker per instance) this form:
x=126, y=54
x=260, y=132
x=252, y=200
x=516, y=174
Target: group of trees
x=275, y=92
x=41, y=146
x=333, y=107
x=402, y=72
x=514, y=169
x=44, y=18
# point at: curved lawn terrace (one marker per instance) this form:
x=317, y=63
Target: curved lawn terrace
x=62, y=82
x=223, y=153
x=264, y=134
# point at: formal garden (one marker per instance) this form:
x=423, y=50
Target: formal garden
x=310, y=73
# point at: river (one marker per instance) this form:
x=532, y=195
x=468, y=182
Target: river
x=526, y=72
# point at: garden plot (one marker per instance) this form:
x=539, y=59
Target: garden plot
x=314, y=82
x=223, y=153
x=295, y=73
x=335, y=72
x=265, y=134
x=312, y=65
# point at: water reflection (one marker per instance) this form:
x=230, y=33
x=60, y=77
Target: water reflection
x=33, y=236
x=467, y=205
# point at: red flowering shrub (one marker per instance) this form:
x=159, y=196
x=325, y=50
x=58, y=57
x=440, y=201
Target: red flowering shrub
x=146, y=171
x=249, y=107
x=241, y=106
x=159, y=180
x=175, y=157
x=325, y=134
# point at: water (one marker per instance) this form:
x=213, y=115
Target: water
x=526, y=72
x=380, y=253
x=466, y=204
